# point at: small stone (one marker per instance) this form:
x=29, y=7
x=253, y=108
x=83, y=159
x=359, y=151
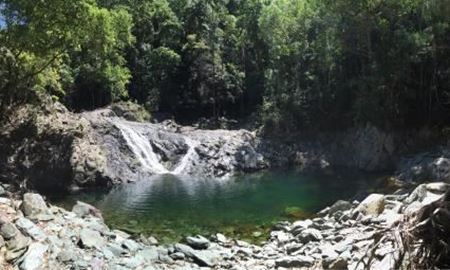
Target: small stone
x=309, y=235
x=198, y=242
x=8, y=230
x=340, y=206
x=149, y=254
x=2, y=191
x=152, y=241
x=187, y=250
x=221, y=238
x=301, y=225
x=131, y=245
x=294, y=261
x=5, y=201
x=281, y=236
x=90, y=238
x=66, y=256
x=338, y=264
x=34, y=258
x=241, y=243
x=178, y=256
x=206, y=258
x=257, y=234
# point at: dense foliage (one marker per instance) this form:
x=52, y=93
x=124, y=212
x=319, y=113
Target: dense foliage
x=296, y=64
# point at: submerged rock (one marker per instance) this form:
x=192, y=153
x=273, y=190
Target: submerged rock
x=83, y=209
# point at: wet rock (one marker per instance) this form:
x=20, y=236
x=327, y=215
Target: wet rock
x=91, y=239
x=34, y=258
x=2, y=191
x=198, y=242
x=152, y=241
x=372, y=205
x=82, y=210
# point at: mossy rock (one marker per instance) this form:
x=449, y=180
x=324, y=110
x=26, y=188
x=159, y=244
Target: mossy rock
x=295, y=212
x=131, y=111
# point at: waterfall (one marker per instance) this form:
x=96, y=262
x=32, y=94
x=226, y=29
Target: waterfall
x=188, y=157
x=141, y=148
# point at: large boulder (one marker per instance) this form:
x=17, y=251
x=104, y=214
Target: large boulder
x=372, y=205
x=34, y=207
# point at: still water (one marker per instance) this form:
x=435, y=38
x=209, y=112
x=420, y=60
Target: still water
x=170, y=207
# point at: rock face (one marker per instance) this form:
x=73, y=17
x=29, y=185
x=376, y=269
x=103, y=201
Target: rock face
x=51, y=148
x=135, y=150
x=424, y=166
x=48, y=147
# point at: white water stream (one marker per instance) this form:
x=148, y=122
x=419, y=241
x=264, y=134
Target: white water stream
x=143, y=151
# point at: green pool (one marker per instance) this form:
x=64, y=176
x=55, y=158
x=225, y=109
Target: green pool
x=170, y=207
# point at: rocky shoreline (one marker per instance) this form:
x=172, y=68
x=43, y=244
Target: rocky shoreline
x=347, y=235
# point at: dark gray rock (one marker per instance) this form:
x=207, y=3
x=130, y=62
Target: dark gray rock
x=198, y=242
x=294, y=261
x=309, y=235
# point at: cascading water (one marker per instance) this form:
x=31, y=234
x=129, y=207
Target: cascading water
x=141, y=148
x=188, y=158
